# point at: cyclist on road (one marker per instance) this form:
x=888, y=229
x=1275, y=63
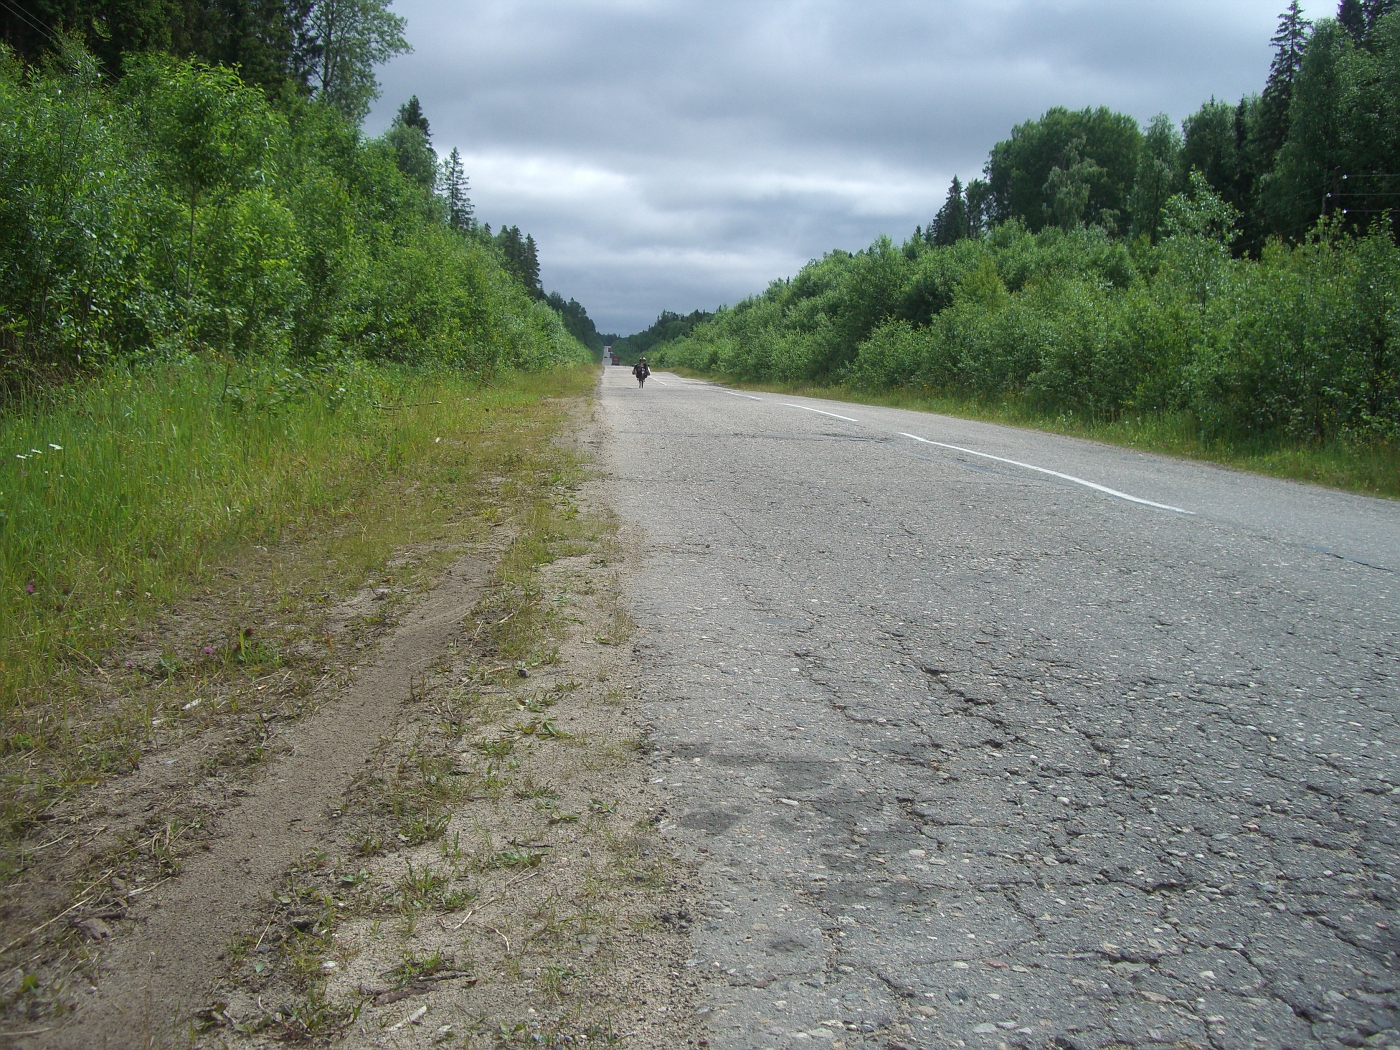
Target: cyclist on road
x=641, y=371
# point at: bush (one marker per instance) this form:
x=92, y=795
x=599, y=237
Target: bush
x=180, y=212
x=1303, y=343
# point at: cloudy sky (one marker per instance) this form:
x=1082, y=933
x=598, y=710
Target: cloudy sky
x=675, y=154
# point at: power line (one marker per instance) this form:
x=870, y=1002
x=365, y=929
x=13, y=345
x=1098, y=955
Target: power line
x=19, y=12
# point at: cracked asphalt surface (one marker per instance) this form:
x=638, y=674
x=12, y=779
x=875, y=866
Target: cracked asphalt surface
x=973, y=755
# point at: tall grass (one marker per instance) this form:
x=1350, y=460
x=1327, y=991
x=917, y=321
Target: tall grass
x=116, y=494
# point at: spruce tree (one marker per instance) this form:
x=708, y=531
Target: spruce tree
x=413, y=151
x=454, y=188
x=1352, y=16
x=1289, y=42
x=978, y=196
x=411, y=116
x=950, y=225
x=521, y=257
x=531, y=267
x=1375, y=11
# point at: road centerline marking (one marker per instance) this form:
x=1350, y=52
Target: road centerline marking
x=818, y=411
x=1054, y=474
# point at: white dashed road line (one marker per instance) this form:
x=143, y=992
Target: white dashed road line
x=833, y=415
x=1053, y=473
x=749, y=396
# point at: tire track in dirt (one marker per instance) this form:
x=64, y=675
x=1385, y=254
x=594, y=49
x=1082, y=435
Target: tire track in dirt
x=160, y=972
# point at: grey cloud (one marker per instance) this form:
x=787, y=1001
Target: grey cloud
x=675, y=155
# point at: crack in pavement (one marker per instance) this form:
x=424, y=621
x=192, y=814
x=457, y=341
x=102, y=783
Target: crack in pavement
x=971, y=763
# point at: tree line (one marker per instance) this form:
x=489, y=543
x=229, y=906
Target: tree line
x=1321, y=140
x=179, y=210
x=179, y=207
x=1243, y=271
x=324, y=49
x=667, y=327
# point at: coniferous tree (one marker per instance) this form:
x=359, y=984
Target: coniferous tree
x=259, y=37
x=255, y=36
x=411, y=115
x=1308, y=166
x=978, y=196
x=1211, y=145
x=1289, y=41
x=1375, y=11
x=453, y=185
x=577, y=321
x=413, y=150
x=532, y=266
x=1352, y=16
x=950, y=225
x=521, y=257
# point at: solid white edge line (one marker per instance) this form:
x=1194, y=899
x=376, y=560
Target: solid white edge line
x=735, y=393
x=1054, y=474
x=833, y=415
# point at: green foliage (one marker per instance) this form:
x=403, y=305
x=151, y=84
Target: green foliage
x=207, y=137
x=1258, y=298
x=179, y=212
x=454, y=187
x=577, y=321
x=521, y=258
x=343, y=40
x=1159, y=161
x=325, y=47
x=412, y=143
x=1303, y=343
x=1065, y=168
x=952, y=223
x=669, y=325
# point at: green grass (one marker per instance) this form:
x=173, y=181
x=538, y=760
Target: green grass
x=126, y=500
x=1371, y=470
x=132, y=483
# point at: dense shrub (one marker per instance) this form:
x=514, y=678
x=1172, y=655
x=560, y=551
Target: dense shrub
x=180, y=211
x=1303, y=342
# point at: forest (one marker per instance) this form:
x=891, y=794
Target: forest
x=157, y=202
x=1240, y=272
x=667, y=327
x=225, y=311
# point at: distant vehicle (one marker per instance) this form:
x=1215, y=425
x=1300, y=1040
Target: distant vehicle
x=609, y=355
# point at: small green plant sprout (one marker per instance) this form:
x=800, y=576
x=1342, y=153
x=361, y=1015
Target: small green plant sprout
x=421, y=828
x=414, y=968
x=499, y=748
x=419, y=889
x=542, y=729
x=516, y=857
x=453, y=851
x=598, y=806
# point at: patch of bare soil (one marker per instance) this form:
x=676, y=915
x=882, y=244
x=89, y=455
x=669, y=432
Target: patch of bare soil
x=163, y=966
x=457, y=846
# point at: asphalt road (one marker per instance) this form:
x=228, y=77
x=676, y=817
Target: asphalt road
x=972, y=754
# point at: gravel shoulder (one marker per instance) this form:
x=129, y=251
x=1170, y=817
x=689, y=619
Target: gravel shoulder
x=456, y=842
